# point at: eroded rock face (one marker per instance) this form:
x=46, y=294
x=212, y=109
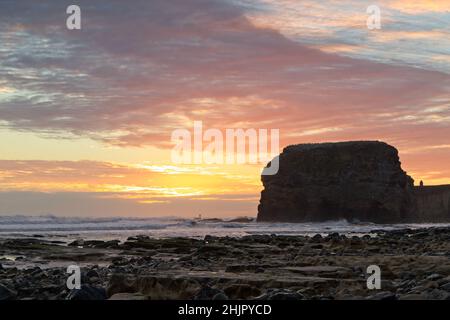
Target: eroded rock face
x=361, y=180
x=432, y=203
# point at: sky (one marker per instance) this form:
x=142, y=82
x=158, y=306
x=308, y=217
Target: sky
x=86, y=116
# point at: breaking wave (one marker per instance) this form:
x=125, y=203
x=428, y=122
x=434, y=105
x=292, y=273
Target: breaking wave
x=163, y=227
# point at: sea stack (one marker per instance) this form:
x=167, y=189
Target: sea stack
x=356, y=180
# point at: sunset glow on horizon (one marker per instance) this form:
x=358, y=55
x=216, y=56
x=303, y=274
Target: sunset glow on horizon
x=86, y=115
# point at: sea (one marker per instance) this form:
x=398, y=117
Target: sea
x=120, y=228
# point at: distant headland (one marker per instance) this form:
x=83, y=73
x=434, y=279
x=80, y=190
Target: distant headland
x=355, y=180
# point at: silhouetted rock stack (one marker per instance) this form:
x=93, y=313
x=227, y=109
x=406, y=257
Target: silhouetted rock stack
x=357, y=181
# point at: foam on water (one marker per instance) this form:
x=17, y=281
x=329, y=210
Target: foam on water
x=120, y=227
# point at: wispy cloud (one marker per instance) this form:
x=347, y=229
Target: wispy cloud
x=136, y=72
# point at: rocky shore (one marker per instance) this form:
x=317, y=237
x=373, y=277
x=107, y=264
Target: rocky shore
x=415, y=264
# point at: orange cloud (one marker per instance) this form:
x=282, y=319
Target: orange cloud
x=147, y=181
x=420, y=6
x=282, y=67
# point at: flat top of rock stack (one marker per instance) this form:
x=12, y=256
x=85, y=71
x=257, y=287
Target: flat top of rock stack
x=343, y=160
x=343, y=144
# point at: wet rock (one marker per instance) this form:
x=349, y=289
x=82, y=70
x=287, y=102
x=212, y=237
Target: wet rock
x=213, y=249
x=87, y=292
x=316, y=238
x=334, y=236
x=7, y=293
x=413, y=296
x=437, y=294
x=385, y=295
x=434, y=277
x=76, y=243
x=128, y=296
x=120, y=283
x=241, y=291
x=120, y=261
x=208, y=293
x=281, y=294
x=95, y=243
x=237, y=268
x=103, y=244
x=92, y=274
x=38, y=272
x=155, y=288
x=446, y=287
x=208, y=238
x=331, y=270
x=220, y=296
x=168, y=288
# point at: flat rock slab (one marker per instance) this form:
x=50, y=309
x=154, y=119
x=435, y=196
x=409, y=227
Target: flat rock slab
x=261, y=279
x=317, y=269
x=128, y=296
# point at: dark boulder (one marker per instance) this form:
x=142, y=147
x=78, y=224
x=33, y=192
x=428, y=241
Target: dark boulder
x=87, y=292
x=208, y=293
x=6, y=293
x=241, y=291
x=280, y=294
